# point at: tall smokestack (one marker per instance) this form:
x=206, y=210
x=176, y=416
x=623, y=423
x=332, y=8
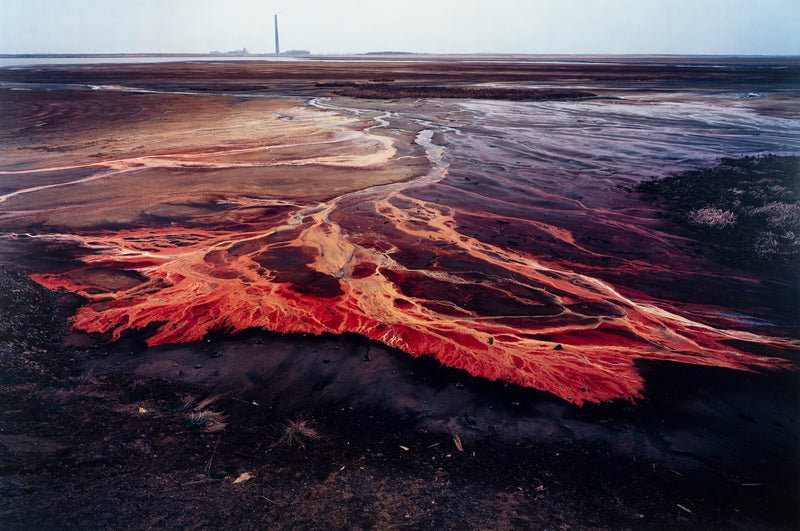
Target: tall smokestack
x=277, y=46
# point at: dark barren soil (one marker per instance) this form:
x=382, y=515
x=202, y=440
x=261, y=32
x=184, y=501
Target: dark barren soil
x=667, y=402
x=122, y=436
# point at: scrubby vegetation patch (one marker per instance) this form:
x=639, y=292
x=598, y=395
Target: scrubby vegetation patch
x=749, y=207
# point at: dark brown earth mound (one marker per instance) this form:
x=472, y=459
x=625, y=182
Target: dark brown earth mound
x=385, y=91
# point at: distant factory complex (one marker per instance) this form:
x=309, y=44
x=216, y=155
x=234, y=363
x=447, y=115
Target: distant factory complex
x=244, y=51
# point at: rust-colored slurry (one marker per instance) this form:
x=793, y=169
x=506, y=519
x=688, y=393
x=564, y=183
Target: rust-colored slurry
x=508, y=254
x=555, y=330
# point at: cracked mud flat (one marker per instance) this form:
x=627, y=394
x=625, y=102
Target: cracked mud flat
x=498, y=238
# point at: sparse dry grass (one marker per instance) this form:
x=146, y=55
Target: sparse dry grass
x=211, y=421
x=713, y=217
x=201, y=418
x=749, y=208
x=298, y=433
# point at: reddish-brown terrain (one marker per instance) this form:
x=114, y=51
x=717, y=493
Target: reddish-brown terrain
x=195, y=204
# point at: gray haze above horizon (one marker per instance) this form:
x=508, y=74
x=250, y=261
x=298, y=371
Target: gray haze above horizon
x=729, y=27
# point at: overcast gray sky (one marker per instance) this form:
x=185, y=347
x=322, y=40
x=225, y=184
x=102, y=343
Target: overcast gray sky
x=444, y=26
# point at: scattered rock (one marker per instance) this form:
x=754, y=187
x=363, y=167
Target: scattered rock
x=457, y=442
x=244, y=476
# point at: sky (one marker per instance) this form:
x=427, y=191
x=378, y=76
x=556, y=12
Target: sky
x=749, y=27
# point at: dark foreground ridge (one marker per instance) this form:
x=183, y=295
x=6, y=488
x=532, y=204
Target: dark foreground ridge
x=300, y=432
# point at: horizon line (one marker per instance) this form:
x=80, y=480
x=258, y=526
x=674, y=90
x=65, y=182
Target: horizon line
x=386, y=52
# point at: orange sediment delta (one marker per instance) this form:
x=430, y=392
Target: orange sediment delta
x=539, y=326
x=313, y=254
